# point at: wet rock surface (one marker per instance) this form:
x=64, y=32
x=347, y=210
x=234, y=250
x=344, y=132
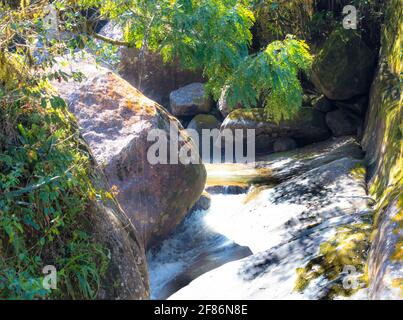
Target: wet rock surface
x=385, y=265
x=278, y=167
x=203, y=263
x=308, y=195
x=383, y=144
x=196, y=247
x=290, y=222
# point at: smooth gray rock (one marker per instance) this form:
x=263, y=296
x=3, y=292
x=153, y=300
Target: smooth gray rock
x=190, y=100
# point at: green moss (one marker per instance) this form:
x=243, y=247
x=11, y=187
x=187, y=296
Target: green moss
x=348, y=247
x=386, y=104
x=398, y=283
x=392, y=36
x=388, y=183
x=359, y=172
x=206, y=121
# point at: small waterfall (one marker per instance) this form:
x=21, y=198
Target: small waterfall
x=202, y=242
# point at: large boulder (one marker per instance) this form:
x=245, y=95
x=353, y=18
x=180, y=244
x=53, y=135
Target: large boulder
x=190, y=100
x=308, y=126
x=344, y=67
x=126, y=276
x=116, y=119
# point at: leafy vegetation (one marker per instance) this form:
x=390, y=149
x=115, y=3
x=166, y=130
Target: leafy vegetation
x=45, y=187
x=315, y=20
x=277, y=18
x=215, y=36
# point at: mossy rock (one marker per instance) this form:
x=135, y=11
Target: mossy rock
x=383, y=144
x=344, y=67
x=204, y=121
x=306, y=127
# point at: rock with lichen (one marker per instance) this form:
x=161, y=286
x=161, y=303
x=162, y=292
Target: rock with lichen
x=116, y=119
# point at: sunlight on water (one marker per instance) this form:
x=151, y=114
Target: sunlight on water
x=200, y=232
x=229, y=221
x=257, y=229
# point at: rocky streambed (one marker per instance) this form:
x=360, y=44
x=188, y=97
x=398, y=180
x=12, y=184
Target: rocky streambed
x=303, y=218
x=298, y=224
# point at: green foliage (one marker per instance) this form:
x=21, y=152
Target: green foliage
x=45, y=190
x=273, y=75
x=214, y=36
x=277, y=18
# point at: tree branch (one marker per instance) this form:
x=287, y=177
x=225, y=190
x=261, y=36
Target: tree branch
x=109, y=40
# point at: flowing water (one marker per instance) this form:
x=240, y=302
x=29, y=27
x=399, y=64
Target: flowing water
x=205, y=240
x=251, y=223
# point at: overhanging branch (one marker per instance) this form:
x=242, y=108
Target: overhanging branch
x=110, y=40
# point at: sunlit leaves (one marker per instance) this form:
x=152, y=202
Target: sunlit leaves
x=271, y=75
x=214, y=36
x=44, y=169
